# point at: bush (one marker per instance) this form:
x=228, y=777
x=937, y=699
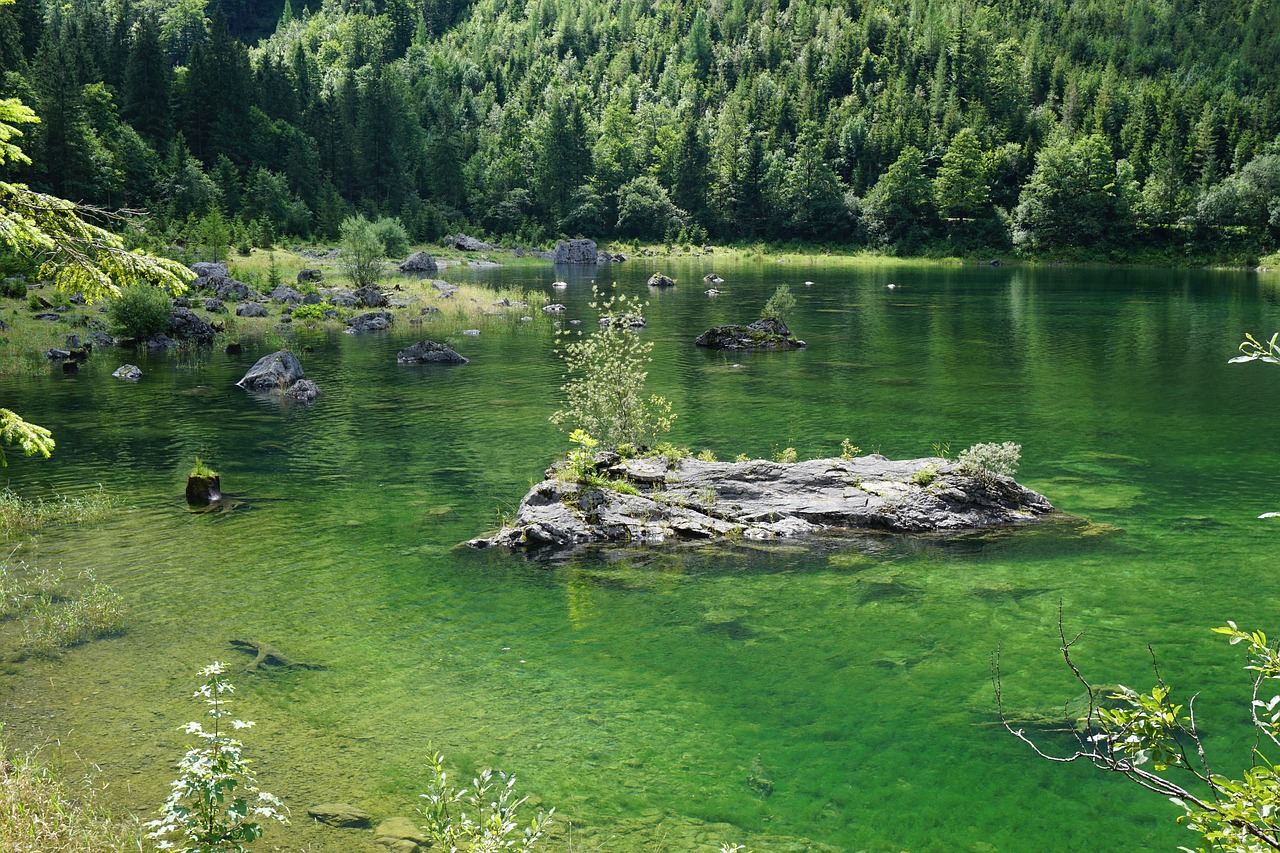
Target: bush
x=780, y=305
x=987, y=460
x=478, y=818
x=604, y=383
x=139, y=312
x=311, y=313
x=391, y=232
x=362, y=251
x=13, y=288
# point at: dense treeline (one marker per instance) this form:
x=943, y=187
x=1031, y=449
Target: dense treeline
x=911, y=124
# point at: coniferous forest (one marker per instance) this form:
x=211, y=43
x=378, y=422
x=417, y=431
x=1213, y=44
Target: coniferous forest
x=1096, y=126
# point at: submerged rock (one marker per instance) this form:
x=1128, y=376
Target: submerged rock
x=429, y=352
x=764, y=334
x=658, y=502
x=400, y=835
x=340, y=814
x=303, y=391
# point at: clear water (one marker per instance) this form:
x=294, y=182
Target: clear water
x=634, y=690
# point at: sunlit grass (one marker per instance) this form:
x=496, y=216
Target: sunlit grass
x=41, y=812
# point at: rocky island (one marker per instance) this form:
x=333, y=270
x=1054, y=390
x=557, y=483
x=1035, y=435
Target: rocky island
x=653, y=500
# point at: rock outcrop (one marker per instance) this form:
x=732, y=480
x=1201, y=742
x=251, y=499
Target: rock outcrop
x=764, y=334
x=466, y=244
x=186, y=325
x=429, y=352
x=251, y=309
x=131, y=372
x=661, y=280
x=575, y=252
x=275, y=372
x=285, y=293
x=374, y=321
x=701, y=500
x=419, y=262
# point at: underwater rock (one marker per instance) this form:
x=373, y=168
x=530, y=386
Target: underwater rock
x=340, y=814
x=400, y=835
x=764, y=334
x=429, y=352
x=693, y=499
x=303, y=391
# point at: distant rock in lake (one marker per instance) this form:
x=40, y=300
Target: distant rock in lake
x=764, y=334
x=429, y=352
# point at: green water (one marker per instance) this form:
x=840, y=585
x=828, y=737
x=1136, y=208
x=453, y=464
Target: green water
x=634, y=690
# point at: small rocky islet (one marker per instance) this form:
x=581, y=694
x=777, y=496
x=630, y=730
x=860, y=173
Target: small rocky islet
x=654, y=500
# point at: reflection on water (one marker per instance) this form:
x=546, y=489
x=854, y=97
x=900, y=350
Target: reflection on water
x=640, y=691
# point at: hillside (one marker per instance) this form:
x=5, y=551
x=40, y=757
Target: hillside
x=942, y=125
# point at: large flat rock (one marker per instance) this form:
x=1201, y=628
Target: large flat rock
x=649, y=500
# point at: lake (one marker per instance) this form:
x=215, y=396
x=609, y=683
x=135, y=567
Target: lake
x=641, y=691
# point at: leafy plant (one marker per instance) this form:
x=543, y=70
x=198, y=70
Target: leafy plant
x=391, y=233
x=1254, y=350
x=925, y=476
x=202, y=470
x=214, y=802
x=1151, y=730
x=605, y=375
x=786, y=456
x=311, y=313
x=989, y=460
x=780, y=304
x=139, y=312
x=742, y=457
x=481, y=818
x=706, y=455
x=849, y=450
x=362, y=251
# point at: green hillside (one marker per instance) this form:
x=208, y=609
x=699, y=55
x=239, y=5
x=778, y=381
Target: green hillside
x=938, y=125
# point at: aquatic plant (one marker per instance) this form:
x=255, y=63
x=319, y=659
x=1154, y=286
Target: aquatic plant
x=988, y=460
x=19, y=515
x=57, y=623
x=214, y=803
x=480, y=818
x=1150, y=730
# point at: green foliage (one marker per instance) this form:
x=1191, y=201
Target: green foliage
x=139, y=312
x=1254, y=350
x=480, y=818
x=1228, y=813
x=214, y=235
x=925, y=476
x=362, y=251
x=1070, y=199
x=214, y=802
x=849, y=450
x=605, y=375
x=786, y=456
x=780, y=304
x=390, y=232
x=706, y=456
x=30, y=438
x=990, y=460
x=311, y=313
x=202, y=470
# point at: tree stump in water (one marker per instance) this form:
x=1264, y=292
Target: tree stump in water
x=203, y=490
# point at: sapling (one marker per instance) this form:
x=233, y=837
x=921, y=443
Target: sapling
x=214, y=803
x=480, y=818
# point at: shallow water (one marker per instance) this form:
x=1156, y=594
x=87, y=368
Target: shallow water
x=634, y=691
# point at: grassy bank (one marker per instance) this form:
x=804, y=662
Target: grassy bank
x=40, y=811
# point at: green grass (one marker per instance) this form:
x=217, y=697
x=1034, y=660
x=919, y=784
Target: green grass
x=55, y=624
x=41, y=811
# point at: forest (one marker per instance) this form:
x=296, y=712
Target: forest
x=1101, y=128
